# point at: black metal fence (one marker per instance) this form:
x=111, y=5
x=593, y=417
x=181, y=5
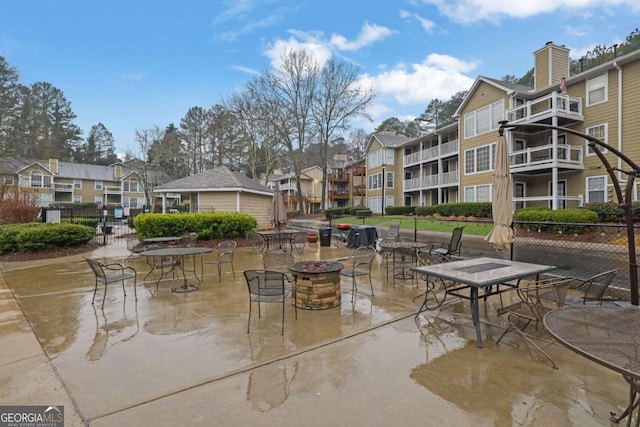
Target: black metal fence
x=580, y=255
x=109, y=223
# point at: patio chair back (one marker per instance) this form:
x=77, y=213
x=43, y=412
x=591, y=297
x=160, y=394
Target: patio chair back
x=267, y=286
x=591, y=291
x=278, y=260
x=358, y=264
x=110, y=273
x=187, y=240
x=223, y=254
x=394, y=231
x=134, y=245
x=452, y=248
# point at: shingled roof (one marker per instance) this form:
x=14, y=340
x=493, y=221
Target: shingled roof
x=218, y=179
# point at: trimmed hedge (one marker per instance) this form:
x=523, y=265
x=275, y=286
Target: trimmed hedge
x=39, y=236
x=558, y=221
x=400, y=210
x=209, y=225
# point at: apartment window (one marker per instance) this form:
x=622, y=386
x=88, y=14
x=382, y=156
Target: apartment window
x=389, y=180
x=8, y=179
x=389, y=156
x=600, y=132
x=98, y=185
x=38, y=180
x=597, y=90
x=596, y=189
x=131, y=186
x=77, y=199
x=43, y=199
x=479, y=159
x=478, y=193
x=484, y=119
x=97, y=200
x=374, y=159
x=77, y=184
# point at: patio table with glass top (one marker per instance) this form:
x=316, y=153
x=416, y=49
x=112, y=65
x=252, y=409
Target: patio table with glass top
x=178, y=256
x=403, y=246
x=493, y=275
x=608, y=335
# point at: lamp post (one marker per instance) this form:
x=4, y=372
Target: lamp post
x=384, y=172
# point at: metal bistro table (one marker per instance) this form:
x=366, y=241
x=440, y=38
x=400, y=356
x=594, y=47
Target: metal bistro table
x=487, y=273
x=274, y=239
x=608, y=335
x=178, y=255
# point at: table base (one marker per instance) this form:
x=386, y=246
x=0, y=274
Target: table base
x=185, y=288
x=634, y=402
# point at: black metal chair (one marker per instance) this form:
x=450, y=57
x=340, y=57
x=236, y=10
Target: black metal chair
x=445, y=252
x=268, y=286
x=186, y=240
x=278, y=260
x=590, y=291
x=134, y=245
x=531, y=307
x=223, y=254
x=299, y=242
x=110, y=273
x=358, y=264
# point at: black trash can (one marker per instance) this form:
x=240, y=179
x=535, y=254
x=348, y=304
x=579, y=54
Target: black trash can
x=325, y=237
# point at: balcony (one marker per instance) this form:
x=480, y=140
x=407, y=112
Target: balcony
x=63, y=188
x=432, y=181
x=359, y=170
x=339, y=177
x=338, y=194
x=541, y=158
x=566, y=108
x=432, y=153
x=112, y=190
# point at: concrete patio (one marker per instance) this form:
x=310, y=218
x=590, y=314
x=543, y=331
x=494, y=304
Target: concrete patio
x=186, y=359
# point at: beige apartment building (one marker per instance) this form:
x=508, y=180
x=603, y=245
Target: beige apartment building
x=548, y=167
x=54, y=182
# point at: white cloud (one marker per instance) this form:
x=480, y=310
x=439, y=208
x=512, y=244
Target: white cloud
x=427, y=24
x=469, y=11
x=438, y=76
x=246, y=70
x=369, y=34
x=316, y=48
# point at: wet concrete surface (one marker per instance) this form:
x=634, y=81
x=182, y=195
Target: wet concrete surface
x=177, y=359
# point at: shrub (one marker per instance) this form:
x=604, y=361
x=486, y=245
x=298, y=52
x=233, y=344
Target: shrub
x=466, y=209
x=607, y=212
x=40, y=236
x=211, y=224
x=363, y=212
x=400, y=210
x=425, y=210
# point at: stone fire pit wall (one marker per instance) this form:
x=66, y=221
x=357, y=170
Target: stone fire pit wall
x=317, y=285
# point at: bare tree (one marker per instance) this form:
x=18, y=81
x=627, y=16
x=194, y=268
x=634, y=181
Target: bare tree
x=139, y=161
x=338, y=99
x=288, y=94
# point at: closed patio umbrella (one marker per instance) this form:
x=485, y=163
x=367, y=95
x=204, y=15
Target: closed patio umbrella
x=278, y=211
x=501, y=235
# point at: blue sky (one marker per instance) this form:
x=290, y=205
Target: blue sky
x=137, y=64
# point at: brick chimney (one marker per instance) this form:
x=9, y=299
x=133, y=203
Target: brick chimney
x=53, y=165
x=551, y=64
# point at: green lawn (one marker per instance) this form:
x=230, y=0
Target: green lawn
x=479, y=228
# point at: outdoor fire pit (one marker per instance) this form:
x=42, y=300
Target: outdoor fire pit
x=317, y=284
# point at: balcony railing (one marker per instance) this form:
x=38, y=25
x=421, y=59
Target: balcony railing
x=430, y=181
x=542, y=157
x=432, y=153
x=564, y=202
x=338, y=194
x=339, y=177
x=67, y=188
x=112, y=190
x=554, y=104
